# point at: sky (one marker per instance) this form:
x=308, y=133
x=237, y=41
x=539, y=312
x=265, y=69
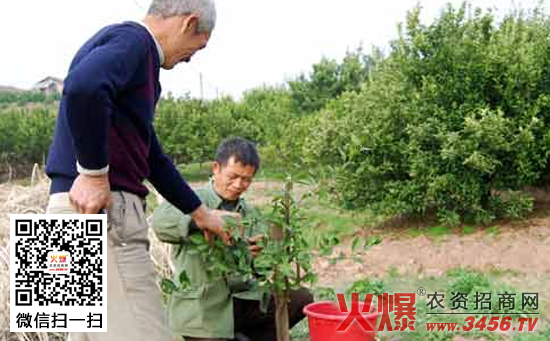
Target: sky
x=255, y=42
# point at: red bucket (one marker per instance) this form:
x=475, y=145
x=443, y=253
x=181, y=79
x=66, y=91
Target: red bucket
x=325, y=317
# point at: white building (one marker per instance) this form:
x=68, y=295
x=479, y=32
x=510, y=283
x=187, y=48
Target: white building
x=49, y=86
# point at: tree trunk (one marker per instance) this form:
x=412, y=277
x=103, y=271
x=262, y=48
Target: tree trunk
x=281, y=317
x=281, y=301
x=281, y=297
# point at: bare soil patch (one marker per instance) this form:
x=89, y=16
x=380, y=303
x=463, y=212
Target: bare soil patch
x=524, y=250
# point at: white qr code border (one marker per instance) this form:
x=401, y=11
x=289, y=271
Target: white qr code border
x=91, y=317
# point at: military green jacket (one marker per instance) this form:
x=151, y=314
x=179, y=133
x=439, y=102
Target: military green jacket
x=205, y=310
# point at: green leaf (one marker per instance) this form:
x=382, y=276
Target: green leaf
x=354, y=243
x=371, y=241
x=167, y=286
x=184, y=279
x=197, y=239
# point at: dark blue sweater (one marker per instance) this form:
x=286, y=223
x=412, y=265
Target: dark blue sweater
x=106, y=118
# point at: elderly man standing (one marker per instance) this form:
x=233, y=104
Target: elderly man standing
x=105, y=146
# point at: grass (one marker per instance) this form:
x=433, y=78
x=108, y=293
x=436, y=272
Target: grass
x=300, y=332
x=438, y=231
x=195, y=172
x=493, y=230
x=330, y=221
x=468, y=229
x=323, y=218
x=432, y=231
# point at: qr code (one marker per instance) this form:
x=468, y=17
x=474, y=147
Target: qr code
x=58, y=266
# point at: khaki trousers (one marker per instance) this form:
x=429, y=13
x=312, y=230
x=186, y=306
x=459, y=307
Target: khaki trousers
x=134, y=308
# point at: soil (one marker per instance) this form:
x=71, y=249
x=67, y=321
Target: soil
x=523, y=250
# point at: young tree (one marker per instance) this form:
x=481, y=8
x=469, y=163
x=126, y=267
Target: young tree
x=283, y=265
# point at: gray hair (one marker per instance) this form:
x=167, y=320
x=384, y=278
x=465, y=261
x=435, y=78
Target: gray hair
x=205, y=9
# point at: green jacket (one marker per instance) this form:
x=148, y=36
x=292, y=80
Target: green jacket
x=205, y=310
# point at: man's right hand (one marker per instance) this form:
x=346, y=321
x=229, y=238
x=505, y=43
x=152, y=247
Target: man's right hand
x=211, y=223
x=89, y=194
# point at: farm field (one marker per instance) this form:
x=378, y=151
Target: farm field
x=504, y=256
x=424, y=164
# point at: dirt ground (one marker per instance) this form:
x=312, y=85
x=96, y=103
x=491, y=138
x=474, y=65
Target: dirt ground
x=524, y=250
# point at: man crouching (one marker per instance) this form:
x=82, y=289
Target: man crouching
x=219, y=308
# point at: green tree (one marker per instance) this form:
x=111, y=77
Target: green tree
x=329, y=79
x=454, y=120
x=25, y=136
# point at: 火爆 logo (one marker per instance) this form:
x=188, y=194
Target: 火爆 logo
x=58, y=262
